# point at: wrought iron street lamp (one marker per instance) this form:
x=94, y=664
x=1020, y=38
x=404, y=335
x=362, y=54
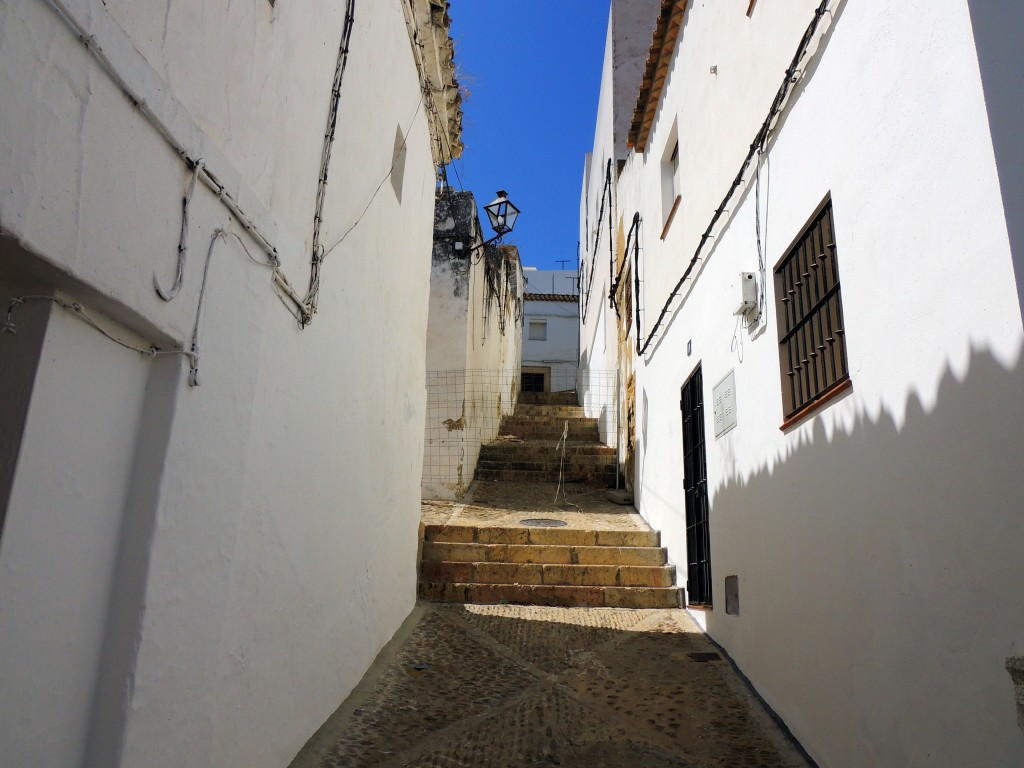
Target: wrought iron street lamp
x=502, y=213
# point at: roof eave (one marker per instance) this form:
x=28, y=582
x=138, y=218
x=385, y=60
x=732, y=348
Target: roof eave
x=659, y=57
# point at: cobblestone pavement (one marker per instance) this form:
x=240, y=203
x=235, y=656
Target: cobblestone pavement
x=503, y=686
x=503, y=504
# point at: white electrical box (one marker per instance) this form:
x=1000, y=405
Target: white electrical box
x=724, y=397
x=748, y=294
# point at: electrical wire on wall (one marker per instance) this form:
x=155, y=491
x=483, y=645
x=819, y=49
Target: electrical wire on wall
x=223, y=234
x=80, y=312
x=302, y=309
x=762, y=307
x=758, y=145
x=636, y=282
x=80, y=27
x=313, y=295
x=632, y=238
x=606, y=195
x=197, y=167
x=359, y=218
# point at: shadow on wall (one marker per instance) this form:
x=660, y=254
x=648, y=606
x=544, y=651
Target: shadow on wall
x=883, y=567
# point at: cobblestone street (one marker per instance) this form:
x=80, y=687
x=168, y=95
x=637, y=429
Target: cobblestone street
x=508, y=686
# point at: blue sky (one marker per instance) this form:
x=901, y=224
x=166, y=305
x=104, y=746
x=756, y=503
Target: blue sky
x=533, y=72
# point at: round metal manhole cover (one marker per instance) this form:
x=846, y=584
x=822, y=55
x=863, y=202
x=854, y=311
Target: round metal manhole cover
x=543, y=522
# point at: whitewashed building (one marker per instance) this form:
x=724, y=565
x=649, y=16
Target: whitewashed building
x=212, y=366
x=551, y=330
x=812, y=230
x=473, y=344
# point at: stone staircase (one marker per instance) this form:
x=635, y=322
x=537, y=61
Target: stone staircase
x=602, y=555
x=530, y=447
x=546, y=566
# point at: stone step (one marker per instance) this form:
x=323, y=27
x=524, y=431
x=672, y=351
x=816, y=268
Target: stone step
x=551, y=594
x=580, y=433
x=575, y=422
x=570, y=537
x=587, y=465
x=548, y=398
x=543, y=449
x=594, y=475
x=543, y=554
x=528, y=411
x=579, y=462
x=540, y=573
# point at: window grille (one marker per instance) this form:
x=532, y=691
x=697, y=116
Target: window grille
x=812, y=345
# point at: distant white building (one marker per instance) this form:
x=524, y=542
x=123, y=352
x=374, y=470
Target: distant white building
x=809, y=218
x=551, y=328
x=211, y=408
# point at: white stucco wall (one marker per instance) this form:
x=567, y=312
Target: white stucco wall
x=60, y=540
x=220, y=564
x=473, y=359
x=594, y=254
x=877, y=542
x=598, y=367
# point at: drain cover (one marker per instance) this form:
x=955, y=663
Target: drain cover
x=704, y=656
x=543, y=522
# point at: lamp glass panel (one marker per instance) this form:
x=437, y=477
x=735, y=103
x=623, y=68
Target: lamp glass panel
x=494, y=215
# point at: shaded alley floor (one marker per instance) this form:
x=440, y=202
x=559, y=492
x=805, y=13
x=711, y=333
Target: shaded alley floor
x=506, y=686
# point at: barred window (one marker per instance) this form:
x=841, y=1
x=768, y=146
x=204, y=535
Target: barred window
x=812, y=345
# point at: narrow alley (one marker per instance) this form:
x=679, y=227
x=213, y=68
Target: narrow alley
x=507, y=685
x=558, y=636
x=440, y=383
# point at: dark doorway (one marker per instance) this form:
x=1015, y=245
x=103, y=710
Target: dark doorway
x=695, y=490
x=533, y=382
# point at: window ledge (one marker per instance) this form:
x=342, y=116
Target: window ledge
x=698, y=607
x=825, y=397
x=671, y=215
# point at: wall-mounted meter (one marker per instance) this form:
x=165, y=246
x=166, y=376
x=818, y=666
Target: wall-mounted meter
x=748, y=294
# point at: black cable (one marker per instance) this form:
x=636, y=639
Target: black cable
x=757, y=145
x=325, y=161
x=636, y=281
x=606, y=194
x=387, y=176
x=633, y=232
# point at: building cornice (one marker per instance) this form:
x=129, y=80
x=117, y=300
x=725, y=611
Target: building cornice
x=429, y=28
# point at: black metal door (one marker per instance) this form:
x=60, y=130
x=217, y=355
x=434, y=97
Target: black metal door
x=695, y=489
